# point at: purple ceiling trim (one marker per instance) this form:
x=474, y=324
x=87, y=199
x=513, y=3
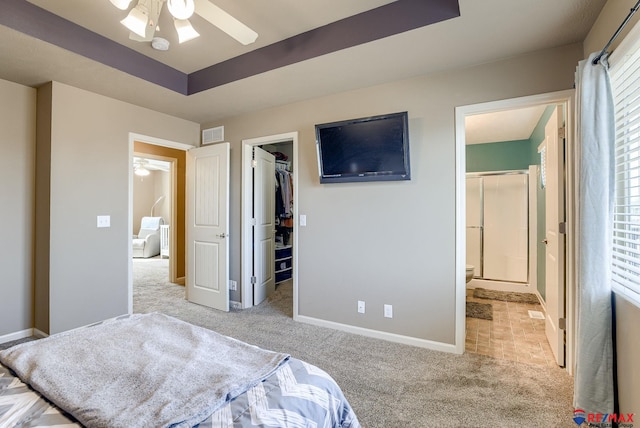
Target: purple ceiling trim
x=30, y=19
x=384, y=21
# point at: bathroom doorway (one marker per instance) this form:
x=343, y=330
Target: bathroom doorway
x=488, y=148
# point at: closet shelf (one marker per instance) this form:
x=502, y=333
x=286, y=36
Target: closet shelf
x=284, y=263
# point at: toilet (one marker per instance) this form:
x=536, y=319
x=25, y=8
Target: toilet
x=470, y=269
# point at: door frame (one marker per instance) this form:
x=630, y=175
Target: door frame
x=173, y=189
x=246, y=288
x=133, y=137
x=566, y=98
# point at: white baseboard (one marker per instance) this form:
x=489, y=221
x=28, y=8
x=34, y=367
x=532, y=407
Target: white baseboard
x=17, y=335
x=39, y=334
x=391, y=337
x=542, y=302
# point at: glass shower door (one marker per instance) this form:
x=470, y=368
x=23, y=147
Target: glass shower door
x=474, y=224
x=506, y=228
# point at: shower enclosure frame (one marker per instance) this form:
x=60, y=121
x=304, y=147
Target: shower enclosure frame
x=482, y=174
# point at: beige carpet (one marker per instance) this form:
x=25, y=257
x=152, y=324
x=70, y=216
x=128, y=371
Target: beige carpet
x=388, y=384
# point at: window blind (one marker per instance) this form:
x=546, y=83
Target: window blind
x=625, y=84
x=543, y=166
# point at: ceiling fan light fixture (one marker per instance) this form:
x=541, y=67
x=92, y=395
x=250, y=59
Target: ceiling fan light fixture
x=121, y=4
x=181, y=9
x=142, y=172
x=185, y=30
x=137, y=20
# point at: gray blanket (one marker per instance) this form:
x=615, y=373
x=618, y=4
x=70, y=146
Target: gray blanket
x=141, y=371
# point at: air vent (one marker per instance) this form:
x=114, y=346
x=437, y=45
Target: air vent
x=213, y=135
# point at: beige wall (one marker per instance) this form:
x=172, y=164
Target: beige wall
x=90, y=168
x=611, y=16
x=146, y=191
x=162, y=188
x=43, y=208
x=627, y=315
x=389, y=242
x=17, y=160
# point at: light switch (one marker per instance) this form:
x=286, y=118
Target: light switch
x=303, y=219
x=388, y=311
x=104, y=221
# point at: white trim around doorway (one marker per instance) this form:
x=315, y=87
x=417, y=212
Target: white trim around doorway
x=561, y=97
x=247, y=192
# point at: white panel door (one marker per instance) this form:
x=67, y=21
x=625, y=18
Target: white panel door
x=207, y=226
x=506, y=228
x=555, y=284
x=264, y=228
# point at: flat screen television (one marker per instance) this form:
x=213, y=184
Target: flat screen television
x=367, y=149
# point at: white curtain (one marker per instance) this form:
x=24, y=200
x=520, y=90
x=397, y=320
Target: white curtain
x=593, y=390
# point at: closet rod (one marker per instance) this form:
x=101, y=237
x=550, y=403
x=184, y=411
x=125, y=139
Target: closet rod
x=634, y=9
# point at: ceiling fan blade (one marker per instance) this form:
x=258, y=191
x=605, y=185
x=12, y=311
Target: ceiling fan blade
x=150, y=31
x=154, y=7
x=225, y=22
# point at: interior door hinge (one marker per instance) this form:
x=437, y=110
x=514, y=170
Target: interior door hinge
x=254, y=163
x=253, y=222
x=562, y=132
x=562, y=228
x=562, y=323
x=254, y=280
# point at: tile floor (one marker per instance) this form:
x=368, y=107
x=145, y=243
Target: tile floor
x=511, y=335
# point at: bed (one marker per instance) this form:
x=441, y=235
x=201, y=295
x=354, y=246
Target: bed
x=152, y=370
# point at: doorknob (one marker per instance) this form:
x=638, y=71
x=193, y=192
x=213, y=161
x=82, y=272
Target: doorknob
x=545, y=241
x=222, y=235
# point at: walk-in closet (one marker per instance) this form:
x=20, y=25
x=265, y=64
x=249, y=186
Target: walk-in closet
x=283, y=257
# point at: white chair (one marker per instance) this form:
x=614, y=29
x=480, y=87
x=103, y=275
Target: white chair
x=147, y=242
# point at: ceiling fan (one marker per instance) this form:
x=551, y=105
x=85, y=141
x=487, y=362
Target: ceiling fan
x=142, y=19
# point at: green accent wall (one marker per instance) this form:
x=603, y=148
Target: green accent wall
x=503, y=156
x=537, y=137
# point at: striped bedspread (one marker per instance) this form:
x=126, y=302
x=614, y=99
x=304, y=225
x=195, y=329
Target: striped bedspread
x=298, y=394
x=20, y=406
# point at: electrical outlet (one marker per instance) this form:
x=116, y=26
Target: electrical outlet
x=233, y=285
x=104, y=221
x=360, y=307
x=388, y=311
